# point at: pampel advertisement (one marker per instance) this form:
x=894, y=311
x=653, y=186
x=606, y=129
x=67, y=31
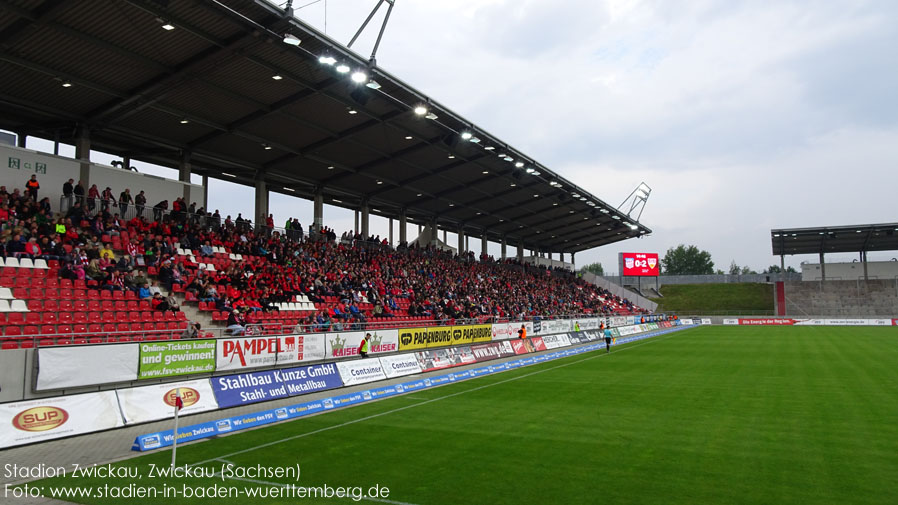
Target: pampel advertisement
x=640, y=264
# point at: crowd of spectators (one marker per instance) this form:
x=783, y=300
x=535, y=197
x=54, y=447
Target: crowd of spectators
x=342, y=275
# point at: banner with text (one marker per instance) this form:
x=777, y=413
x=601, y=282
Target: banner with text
x=504, y=331
x=168, y=359
x=441, y=336
x=151, y=403
x=252, y=387
x=48, y=418
x=361, y=371
x=399, y=365
x=254, y=352
x=341, y=345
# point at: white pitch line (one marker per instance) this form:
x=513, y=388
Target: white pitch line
x=400, y=409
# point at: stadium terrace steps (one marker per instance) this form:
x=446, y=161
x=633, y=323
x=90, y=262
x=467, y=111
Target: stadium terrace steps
x=842, y=298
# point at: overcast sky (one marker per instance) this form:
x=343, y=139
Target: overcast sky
x=741, y=115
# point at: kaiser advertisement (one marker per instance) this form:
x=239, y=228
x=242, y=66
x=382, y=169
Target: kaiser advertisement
x=341, y=345
x=168, y=359
x=399, y=365
x=151, y=403
x=243, y=388
x=49, y=418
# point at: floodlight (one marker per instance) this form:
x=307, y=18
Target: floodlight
x=291, y=39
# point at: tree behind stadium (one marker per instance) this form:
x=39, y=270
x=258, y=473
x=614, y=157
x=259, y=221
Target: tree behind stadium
x=687, y=260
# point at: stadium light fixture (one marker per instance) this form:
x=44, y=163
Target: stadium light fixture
x=513, y=185
x=379, y=182
x=466, y=135
x=330, y=167
x=582, y=198
x=337, y=201
x=420, y=110
x=184, y=121
x=489, y=148
x=575, y=195
x=291, y=40
x=475, y=140
x=326, y=59
x=605, y=211
x=485, y=172
x=615, y=217
x=451, y=156
x=343, y=68
x=352, y=111
x=168, y=27
x=519, y=164
x=555, y=204
x=430, y=115
x=359, y=76
x=536, y=172
x=266, y=147
x=373, y=84
x=285, y=188
x=530, y=170
x=508, y=158
x=276, y=77
x=228, y=175
x=66, y=84
x=408, y=137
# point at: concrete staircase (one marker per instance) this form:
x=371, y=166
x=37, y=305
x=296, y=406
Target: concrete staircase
x=842, y=298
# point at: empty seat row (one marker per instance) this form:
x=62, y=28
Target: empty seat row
x=18, y=317
x=14, y=262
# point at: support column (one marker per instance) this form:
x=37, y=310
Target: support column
x=461, y=241
x=445, y=240
x=434, y=238
x=822, y=268
x=391, y=232
x=126, y=163
x=184, y=176
x=483, y=244
x=20, y=139
x=467, y=243
x=403, y=224
x=366, y=213
x=520, y=251
x=82, y=153
x=261, y=201
x=504, y=247
x=318, y=210
x=864, y=261
x=206, y=193
x=573, y=263
x=355, y=228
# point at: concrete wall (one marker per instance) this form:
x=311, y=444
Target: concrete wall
x=620, y=291
x=53, y=171
x=882, y=270
x=712, y=279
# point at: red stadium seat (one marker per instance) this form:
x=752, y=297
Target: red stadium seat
x=9, y=345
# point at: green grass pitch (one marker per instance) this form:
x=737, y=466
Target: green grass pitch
x=713, y=415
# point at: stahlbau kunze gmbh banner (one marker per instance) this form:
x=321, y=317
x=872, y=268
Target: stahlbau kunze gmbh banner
x=252, y=387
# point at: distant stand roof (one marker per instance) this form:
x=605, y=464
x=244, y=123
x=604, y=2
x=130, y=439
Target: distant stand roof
x=159, y=80
x=835, y=239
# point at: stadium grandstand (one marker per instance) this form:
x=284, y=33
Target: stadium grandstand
x=243, y=92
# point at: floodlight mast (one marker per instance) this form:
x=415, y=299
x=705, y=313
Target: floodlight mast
x=382, y=27
x=637, y=199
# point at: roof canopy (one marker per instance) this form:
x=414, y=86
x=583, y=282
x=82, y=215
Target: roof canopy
x=835, y=239
x=214, y=82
